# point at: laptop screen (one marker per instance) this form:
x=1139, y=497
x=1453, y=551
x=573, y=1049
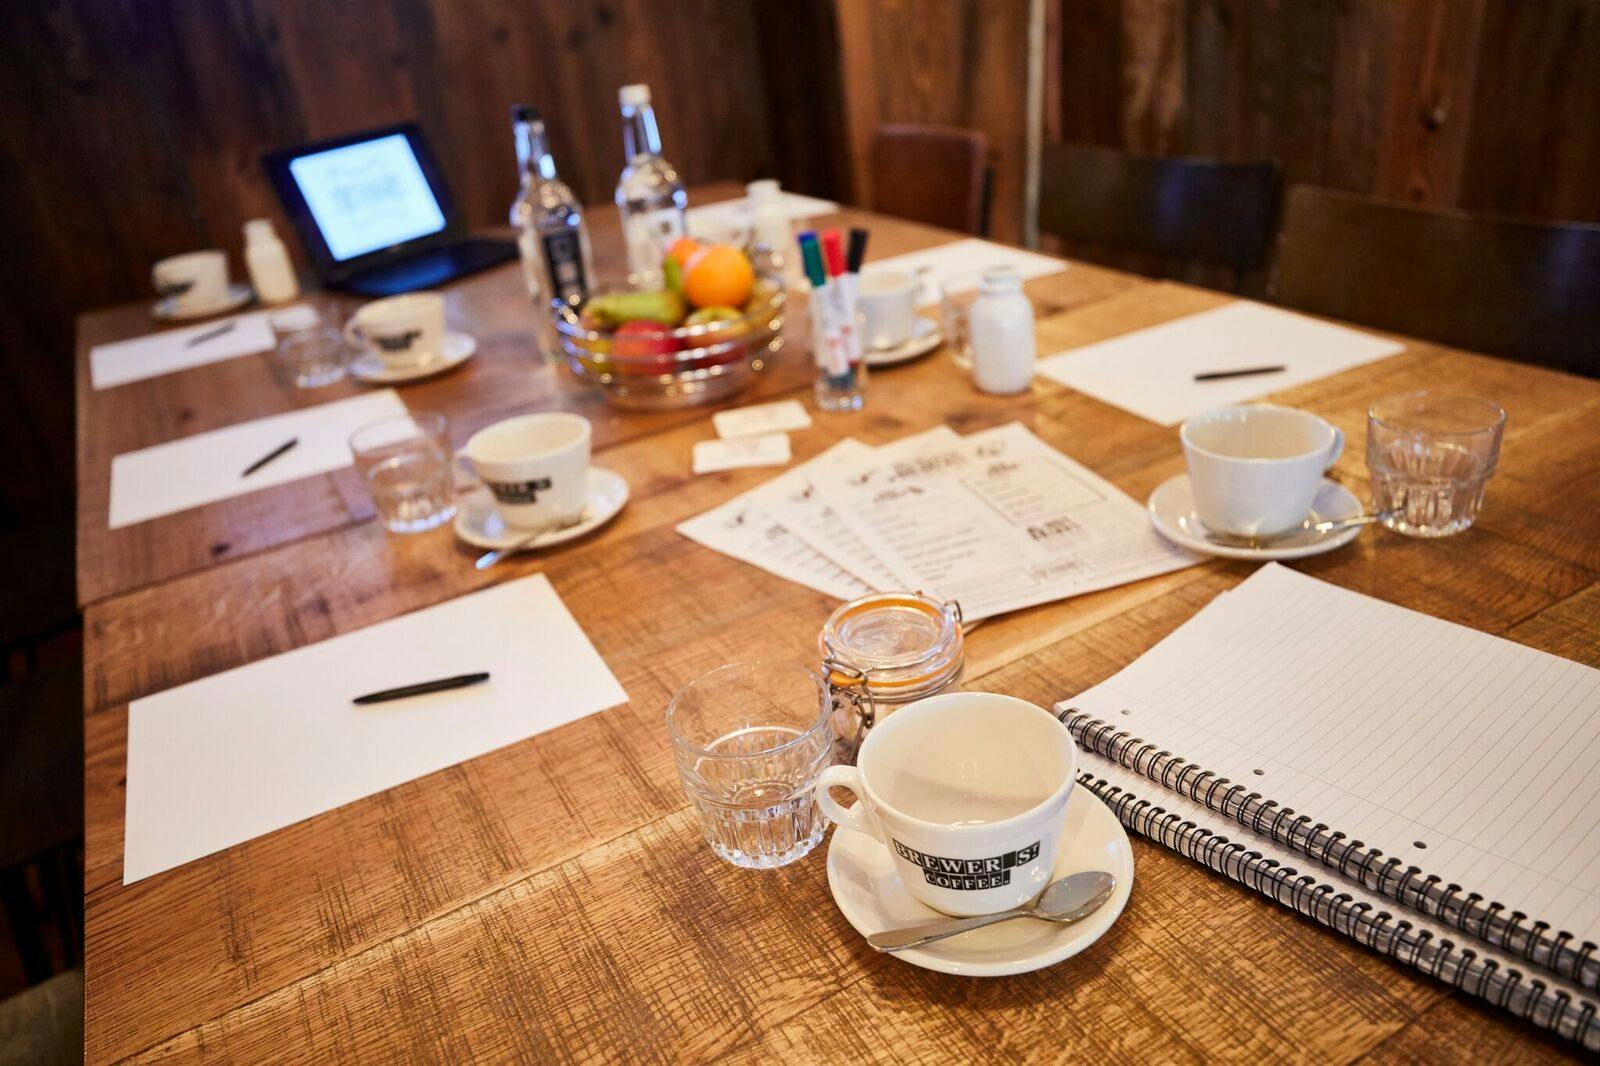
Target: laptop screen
x=367, y=196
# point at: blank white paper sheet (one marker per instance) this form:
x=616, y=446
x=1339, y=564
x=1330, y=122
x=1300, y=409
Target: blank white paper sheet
x=207, y=467
x=960, y=265
x=1150, y=372
x=230, y=757
x=736, y=213
x=162, y=353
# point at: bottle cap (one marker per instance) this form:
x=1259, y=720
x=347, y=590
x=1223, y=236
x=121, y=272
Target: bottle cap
x=634, y=95
x=763, y=192
x=258, y=227
x=1000, y=279
x=524, y=113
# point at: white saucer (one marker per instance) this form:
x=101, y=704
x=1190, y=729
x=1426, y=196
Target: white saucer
x=925, y=337
x=1171, y=509
x=167, y=310
x=479, y=523
x=863, y=882
x=457, y=349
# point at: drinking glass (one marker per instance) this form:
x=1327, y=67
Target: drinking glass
x=406, y=462
x=1430, y=455
x=750, y=740
x=311, y=358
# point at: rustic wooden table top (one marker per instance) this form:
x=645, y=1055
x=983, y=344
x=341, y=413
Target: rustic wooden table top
x=553, y=900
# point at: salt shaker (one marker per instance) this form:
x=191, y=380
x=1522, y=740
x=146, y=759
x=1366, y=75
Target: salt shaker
x=1000, y=326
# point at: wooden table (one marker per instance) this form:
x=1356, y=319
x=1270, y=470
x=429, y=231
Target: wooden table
x=553, y=900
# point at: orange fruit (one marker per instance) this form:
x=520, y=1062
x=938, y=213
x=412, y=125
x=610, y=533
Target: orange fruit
x=682, y=248
x=718, y=275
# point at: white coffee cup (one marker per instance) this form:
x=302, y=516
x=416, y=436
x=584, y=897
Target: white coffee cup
x=536, y=467
x=193, y=279
x=968, y=791
x=888, y=305
x=1255, y=469
x=402, y=331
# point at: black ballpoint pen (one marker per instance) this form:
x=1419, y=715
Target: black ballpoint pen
x=422, y=688
x=273, y=454
x=210, y=334
x=1243, y=372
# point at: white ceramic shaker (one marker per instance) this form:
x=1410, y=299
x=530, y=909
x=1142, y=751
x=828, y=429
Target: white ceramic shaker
x=1001, y=330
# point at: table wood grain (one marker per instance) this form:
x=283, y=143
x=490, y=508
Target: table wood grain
x=553, y=900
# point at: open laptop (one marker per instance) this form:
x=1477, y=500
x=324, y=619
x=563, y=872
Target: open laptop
x=374, y=214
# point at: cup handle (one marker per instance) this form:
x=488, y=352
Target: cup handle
x=1336, y=449
x=462, y=473
x=855, y=818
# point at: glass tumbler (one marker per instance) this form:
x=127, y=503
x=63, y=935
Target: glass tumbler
x=750, y=740
x=406, y=462
x=1430, y=455
x=312, y=358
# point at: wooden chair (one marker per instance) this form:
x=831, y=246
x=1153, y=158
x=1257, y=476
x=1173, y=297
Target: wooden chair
x=1523, y=289
x=933, y=174
x=1171, y=213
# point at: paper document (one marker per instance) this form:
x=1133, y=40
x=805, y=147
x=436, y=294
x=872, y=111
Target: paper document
x=961, y=263
x=793, y=499
x=735, y=213
x=208, y=467
x=998, y=520
x=780, y=417
x=225, y=759
x=1151, y=372
x=732, y=453
x=747, y=532
x=161, y=353
x=1461, y=753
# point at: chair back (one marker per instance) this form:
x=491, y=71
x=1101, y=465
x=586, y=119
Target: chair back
x=932, y=174
x=1189, y=209
x=1524, y=289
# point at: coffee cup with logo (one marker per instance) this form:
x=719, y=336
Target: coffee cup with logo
x=888, y=304
x=193, y=279
x=968, y=791
x=1255, y=469
x=535, y=466
x=404, y=332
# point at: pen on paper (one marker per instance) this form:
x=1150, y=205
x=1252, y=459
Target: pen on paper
x=422, y=688
x=210, y=334
x=1242, y=372
x=273, y=454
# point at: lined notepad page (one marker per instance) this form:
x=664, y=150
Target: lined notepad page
x=1467, y=755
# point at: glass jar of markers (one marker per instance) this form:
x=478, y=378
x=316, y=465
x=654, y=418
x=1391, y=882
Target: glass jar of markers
x=886, y=649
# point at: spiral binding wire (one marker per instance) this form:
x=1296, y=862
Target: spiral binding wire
x=1458, y=965
x=1408, y=885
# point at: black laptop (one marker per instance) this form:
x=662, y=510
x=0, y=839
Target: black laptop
x=374, y=214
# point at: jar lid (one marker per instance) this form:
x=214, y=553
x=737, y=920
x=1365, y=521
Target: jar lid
x=904, y=644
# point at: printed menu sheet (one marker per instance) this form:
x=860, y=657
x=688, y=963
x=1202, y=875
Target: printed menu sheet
x=998, y=520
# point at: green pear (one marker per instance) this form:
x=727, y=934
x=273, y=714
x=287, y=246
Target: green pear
x=615, y=308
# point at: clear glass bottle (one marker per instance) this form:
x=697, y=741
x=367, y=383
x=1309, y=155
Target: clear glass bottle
x=552, y=240
x=650, y=196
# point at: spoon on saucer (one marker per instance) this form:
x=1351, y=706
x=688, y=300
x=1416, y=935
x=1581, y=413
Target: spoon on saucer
x=1064, y=900
x=1230, y=540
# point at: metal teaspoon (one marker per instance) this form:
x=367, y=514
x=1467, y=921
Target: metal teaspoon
x=1064, y=900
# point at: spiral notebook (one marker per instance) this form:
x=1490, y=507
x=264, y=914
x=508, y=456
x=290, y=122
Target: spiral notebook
x=1417, y=764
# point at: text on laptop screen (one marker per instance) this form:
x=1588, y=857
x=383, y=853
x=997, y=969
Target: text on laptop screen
x=367, y=196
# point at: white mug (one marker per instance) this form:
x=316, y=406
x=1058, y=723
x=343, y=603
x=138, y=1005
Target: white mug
x=1255, y=469
x=402, y=331
x=968, y=791
x=888, y=305
x=194, y=279
x=535, y=466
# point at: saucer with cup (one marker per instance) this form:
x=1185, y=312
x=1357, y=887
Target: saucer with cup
x=1255, y=481
x=967, y=803
x=403, y=338
x=195, y=285
x=535, y=487
x=891, y=330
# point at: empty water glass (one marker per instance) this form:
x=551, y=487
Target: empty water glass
x=750, y=740
x=406, y=462
x=311, y=358
x=1430, y=455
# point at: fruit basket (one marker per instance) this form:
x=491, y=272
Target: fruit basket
x=647, y=364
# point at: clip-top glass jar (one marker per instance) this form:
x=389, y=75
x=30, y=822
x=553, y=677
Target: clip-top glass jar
x=889, y=648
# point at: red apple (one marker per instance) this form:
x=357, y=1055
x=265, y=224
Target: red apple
x=642, y=347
